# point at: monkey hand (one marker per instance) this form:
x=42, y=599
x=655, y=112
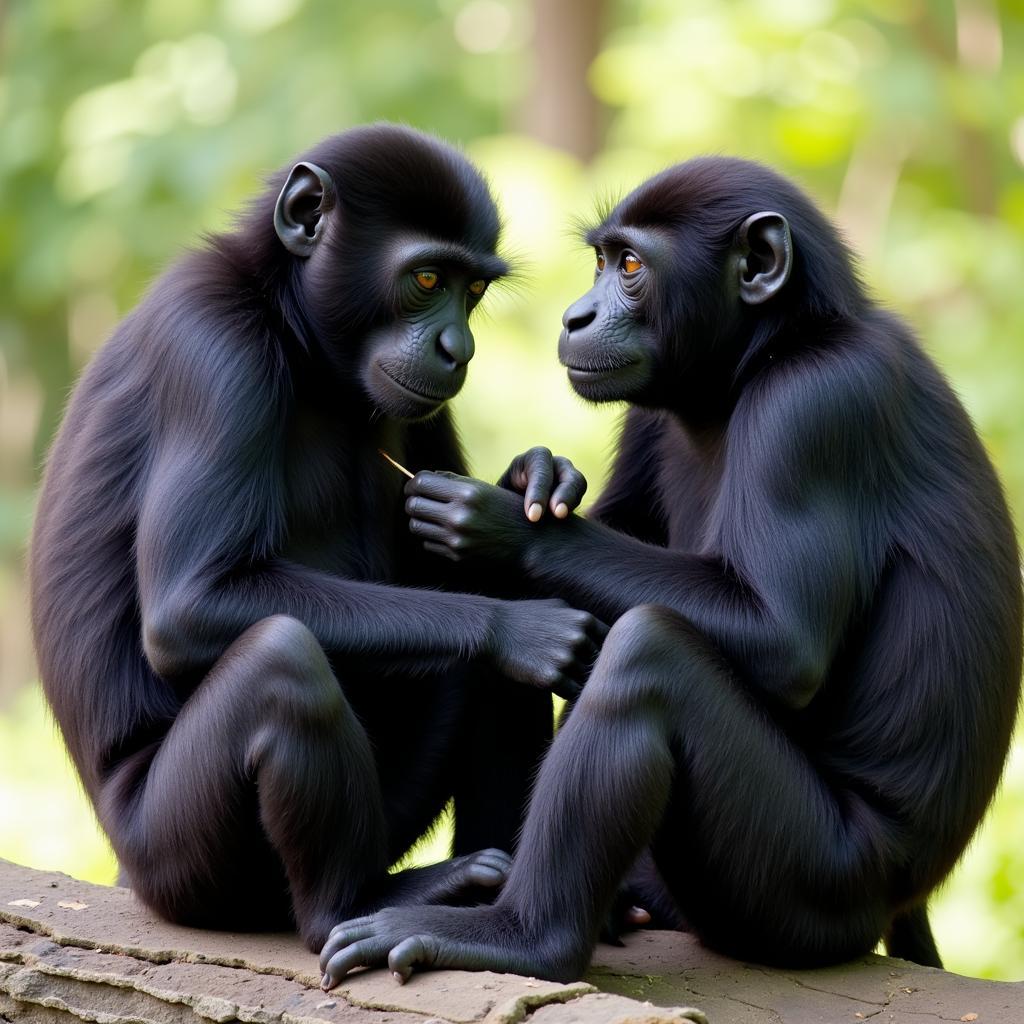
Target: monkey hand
x=467, y=520
x=544, y=480
x=545, y=644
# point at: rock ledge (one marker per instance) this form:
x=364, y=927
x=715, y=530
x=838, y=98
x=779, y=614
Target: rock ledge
x=71, y=951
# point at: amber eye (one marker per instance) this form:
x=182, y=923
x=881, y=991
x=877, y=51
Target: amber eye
x=600, y=262
x=477, y=287
x=630, y=264
x=426, y=279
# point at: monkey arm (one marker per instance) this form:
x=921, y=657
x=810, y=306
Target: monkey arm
x=203, y=580
x=788, y=561
x=209, y=532
x=779, y=628
x=195, y=600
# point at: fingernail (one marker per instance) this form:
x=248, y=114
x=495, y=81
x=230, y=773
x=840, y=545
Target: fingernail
x=561, y=510
x=535, y=512
x=325, y=982
x=398, y=977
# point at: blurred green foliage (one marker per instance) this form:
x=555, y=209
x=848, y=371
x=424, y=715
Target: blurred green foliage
x=129, y=126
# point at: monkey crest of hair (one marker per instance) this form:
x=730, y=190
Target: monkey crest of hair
x=804, y=705
x=265, y=704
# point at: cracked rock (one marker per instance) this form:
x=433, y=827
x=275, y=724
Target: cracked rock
x=71, y=951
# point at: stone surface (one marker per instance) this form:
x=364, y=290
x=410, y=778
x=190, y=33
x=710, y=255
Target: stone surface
x=71, y=951
x=669, y=968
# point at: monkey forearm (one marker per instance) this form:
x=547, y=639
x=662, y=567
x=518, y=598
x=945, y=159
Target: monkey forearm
x=594, y=567
x=346, y=616
x=601, y=569
x=362, y=616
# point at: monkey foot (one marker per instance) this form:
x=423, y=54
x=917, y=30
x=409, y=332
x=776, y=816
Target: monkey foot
x=458, y=879
x=469, y=879
x=424, y=938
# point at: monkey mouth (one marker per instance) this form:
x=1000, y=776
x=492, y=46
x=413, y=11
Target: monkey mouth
x=420, y=397
x=595, y=374
x=610, y=382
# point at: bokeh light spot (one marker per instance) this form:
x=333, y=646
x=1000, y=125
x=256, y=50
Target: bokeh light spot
x=483, y=26
x=259, y=15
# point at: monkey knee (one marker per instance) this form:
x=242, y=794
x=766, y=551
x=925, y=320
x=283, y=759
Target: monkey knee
x=284, y=644
x=645, y=637
x=641, y=630
x=287, y=666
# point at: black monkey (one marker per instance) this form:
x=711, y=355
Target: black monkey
x=806, y=700
x=218, y=545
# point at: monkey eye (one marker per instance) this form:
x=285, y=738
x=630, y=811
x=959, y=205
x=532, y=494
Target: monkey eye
x=630, y=264
x=600, y=262
x=426, y=279
x=477, y=287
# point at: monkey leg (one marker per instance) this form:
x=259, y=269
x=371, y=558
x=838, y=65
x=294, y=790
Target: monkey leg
x=264, y=798
x=664, y=747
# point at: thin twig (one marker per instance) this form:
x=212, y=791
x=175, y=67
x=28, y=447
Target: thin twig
x=397, y=465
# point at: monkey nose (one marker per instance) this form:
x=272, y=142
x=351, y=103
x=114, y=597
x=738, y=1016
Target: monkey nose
x=580, y=314
x=455, y=345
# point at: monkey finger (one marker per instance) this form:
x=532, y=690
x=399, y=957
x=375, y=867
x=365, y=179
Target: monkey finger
x=438, y=486
x=366, y=953
x=569, y=490
x=430, y=531
x=496, y=858
x=343, y=935
x=489, y=868
x=540, y=475
x=487, y=876
x=427, y=510
x=637, y=917
x=409, y=953
x=515, y=477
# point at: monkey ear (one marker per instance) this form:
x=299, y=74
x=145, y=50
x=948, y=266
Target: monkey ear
x=307, y=196
x=765, y=249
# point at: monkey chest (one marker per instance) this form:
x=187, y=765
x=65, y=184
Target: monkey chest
x=689, y=488
x=343, y=514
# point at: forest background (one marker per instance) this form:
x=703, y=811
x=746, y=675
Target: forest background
x=127, y=127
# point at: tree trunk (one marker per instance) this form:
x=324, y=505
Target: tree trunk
x=560, y=109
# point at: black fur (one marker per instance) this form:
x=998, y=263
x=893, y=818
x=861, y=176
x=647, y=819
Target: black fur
x=807, y=697
x=219, y=542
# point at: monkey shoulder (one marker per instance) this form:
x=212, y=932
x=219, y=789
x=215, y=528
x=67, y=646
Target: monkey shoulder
x=211, y=367
x=843, y=404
